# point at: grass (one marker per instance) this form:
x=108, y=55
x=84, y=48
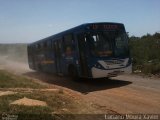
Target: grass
x=59, y=104
x=56, y=103
x=8, y=80
x=55, y=100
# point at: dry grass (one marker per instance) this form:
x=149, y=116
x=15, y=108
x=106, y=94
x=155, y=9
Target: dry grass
x=8, y=80
x=60, y=105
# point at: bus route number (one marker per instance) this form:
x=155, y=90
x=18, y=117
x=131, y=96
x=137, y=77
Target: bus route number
x=106, y=27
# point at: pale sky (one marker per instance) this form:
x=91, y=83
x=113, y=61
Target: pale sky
x=25, y=21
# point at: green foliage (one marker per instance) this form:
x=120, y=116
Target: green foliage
x=8, y=80
x=54, y=105
x=145, y=52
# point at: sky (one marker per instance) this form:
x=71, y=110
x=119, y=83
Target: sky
x=25, y=21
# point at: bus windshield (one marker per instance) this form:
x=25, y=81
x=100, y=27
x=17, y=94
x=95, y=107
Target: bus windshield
x=107, y=43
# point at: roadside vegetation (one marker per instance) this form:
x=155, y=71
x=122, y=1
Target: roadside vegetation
x=145, y=52
x=8, y=80
x=57, y=103
x=19, y=97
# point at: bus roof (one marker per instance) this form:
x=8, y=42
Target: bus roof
x=74, y=29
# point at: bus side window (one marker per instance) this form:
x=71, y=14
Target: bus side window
x=45, y=45
x=68, y=44
x=49, y=44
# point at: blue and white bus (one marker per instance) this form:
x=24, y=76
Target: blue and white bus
x=92, y=50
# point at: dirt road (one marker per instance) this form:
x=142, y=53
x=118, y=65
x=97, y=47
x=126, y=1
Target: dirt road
x=123, y=94
x=133, y=95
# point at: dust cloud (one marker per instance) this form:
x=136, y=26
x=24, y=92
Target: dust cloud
x=13, y=57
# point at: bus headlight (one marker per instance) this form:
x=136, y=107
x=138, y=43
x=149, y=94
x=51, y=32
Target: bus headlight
x=98, y=65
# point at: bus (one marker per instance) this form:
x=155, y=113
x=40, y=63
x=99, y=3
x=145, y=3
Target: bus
x=91, y=50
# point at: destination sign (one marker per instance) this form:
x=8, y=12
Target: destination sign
x=103, y=27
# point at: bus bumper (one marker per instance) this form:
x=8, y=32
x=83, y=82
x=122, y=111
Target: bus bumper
x=99, y=73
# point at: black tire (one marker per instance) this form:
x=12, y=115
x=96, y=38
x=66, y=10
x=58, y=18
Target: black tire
x=73, y=73
x=39, y=68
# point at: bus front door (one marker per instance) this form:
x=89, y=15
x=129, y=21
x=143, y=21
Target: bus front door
x=83, y=55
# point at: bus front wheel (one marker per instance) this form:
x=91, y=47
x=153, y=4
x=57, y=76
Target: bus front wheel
x=73, y=74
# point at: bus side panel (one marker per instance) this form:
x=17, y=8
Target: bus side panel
x=46, y=58
x=49, y=63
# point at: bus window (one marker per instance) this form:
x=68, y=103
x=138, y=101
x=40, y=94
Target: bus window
x=45, y=45
x=36, y=46
x=82, y=41
x=48, y=44
x=121, y=45
x=100, y=43
x=41, y=45
x=107, y=43
x=68, y=44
